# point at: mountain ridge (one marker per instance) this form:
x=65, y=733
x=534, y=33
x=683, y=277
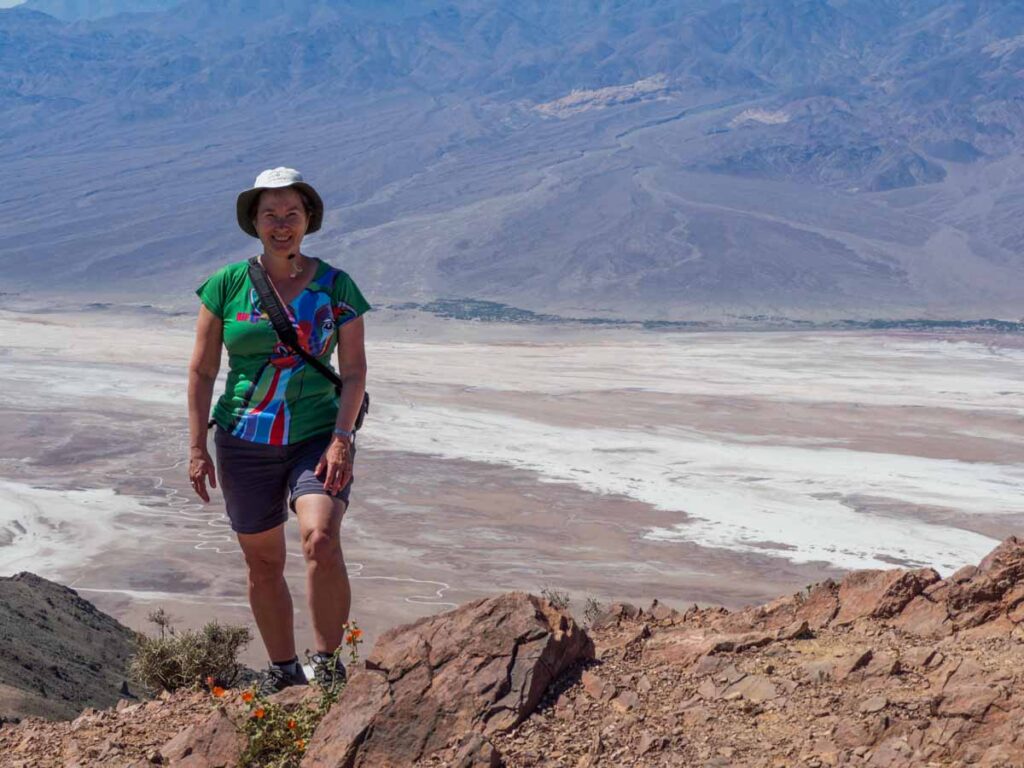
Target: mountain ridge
x=523, y=156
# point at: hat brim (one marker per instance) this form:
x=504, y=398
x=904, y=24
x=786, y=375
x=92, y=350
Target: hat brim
x=245, y=200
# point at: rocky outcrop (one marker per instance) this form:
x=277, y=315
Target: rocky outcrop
x=129, y=734
x=884, y=669
x=58, y=653
x=443, y=687
x=888, y=669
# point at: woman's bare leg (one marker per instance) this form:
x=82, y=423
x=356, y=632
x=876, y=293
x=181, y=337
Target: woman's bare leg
x=268, y=591
x=330, y=595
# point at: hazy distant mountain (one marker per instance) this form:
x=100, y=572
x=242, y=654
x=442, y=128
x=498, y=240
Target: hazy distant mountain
x=667, y=158
x=72, y=10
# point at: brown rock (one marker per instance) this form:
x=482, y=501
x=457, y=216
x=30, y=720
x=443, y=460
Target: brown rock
x=643, y=684
x=969, y=701
x=873, y=704
x=963, y=672
x=991, y=627
x=481, y=668
x=817, y=671
x=879, y=594
x=966, y=573
x=882, y=665
x=213, y=743
x=661, y=613
x=709, y=690
x=894, y=752
x=1006, y=561
x=709, y=665
x=477, y=752
x=625, y=701
x=593, y=685
x=1014, y=597
x=795, y=630
x=919, y=657
x=1002, y=756
x=925, y=617
x=615, y=615
x=817, y=606
x=696, y=716
x=649, y=743
x=294, y=695
x=820, y=606
x=680, y=646
x=755, y=688
x=854, y=660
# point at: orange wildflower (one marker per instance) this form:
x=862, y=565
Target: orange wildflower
x=247, y=696
x=353, y=636
x=217, y=691
x=300, y=743
x=259, y=713
x=292, y=724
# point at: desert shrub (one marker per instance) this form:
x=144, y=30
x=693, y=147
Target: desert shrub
x=176, y=660
x=558, y=598
x=592, y=610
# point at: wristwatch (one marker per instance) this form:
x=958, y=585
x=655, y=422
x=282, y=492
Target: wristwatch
x=347, y=434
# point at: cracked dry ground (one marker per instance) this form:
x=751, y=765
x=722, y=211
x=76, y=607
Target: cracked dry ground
x=885, y=669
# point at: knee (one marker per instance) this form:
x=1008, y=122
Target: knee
x=321, y=549
x=264, y=568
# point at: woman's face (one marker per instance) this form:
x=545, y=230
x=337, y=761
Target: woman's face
x=281, y=221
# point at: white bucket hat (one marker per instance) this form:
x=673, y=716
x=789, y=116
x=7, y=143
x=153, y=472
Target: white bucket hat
x=278, y=178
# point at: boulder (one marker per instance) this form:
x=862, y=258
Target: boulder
x=214, y=742
x=880, y=594
x=480, y=669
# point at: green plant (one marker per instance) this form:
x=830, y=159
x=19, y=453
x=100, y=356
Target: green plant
x=277, y=737
x=176, y=660
x=558, y=598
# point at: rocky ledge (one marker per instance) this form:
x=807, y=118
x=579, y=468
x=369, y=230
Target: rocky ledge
x=883, y=669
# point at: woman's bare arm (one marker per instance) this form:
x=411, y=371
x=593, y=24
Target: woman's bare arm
x=202, y=374
x=335, y=466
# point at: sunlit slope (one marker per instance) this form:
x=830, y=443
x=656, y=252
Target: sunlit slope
x=654, y=160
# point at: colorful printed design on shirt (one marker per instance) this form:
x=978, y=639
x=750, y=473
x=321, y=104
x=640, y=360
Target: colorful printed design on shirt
x=268, y=417
x=272, y=396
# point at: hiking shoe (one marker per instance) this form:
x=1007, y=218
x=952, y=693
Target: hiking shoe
x=274, y=679
x=327, y=671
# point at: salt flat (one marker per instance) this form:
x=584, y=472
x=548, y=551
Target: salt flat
x=712, y=467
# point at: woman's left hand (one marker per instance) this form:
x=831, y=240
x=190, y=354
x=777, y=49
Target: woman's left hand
x=335, y=466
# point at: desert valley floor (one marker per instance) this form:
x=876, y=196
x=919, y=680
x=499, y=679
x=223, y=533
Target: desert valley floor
x=691, y=467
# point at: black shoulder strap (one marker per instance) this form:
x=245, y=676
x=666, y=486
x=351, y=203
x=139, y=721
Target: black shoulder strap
x=281, y=322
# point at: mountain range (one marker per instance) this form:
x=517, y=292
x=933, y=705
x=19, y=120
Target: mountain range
x=666, y=159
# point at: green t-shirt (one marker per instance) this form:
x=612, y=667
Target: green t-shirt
x=272, y=396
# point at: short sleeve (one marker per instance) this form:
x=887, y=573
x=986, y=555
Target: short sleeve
x=213, y=293
x=349, y=302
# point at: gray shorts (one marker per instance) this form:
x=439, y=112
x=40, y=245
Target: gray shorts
x=258, y=479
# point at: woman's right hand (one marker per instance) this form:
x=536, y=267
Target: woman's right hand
x=200, y=467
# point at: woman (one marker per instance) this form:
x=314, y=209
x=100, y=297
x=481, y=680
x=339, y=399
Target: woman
x=284, y=438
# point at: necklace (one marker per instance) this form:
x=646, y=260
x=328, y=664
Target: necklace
x=296, y=265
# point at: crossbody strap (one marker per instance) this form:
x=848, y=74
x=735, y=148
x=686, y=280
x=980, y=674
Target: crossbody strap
x=285, y=331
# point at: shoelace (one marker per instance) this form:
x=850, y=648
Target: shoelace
x=272, y=679
x=323, y=672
